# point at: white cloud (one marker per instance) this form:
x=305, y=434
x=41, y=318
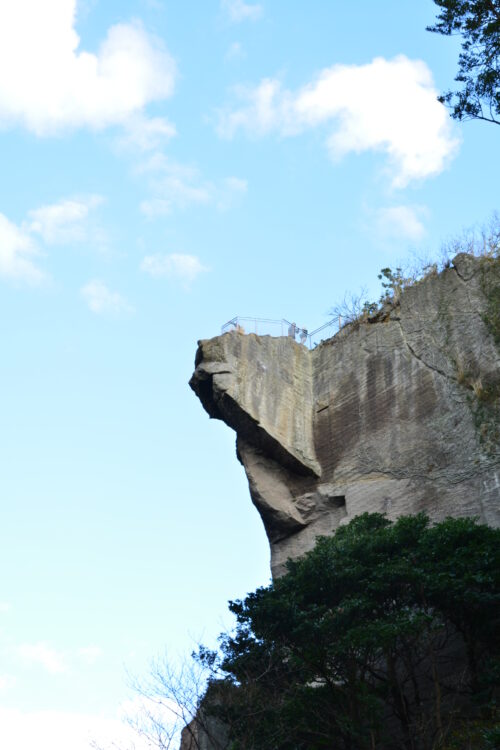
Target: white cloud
x=147, y=134
x=175, y=193
x=56, y=223
x=267, y=108
x=103, y=301
x=236, y=184
x=386, y=105
x=17, y=254
x=173, y=185
x=39, y=653
x=184, y=268
x=63, y=221
x=238, y=10
x=177, y=186
x=401, y=222
x=5, y=607
x=48, y=83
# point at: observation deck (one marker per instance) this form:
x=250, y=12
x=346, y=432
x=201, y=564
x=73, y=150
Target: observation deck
x=283, y=327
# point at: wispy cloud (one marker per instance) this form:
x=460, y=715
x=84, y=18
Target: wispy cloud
x=401, y=222
x=239, y=11
x=104, y=301
x=177, y=186
x=63, y=222
x=172, y=193
x=386, y=105
x=40, y=654
x=183, y=268
x=18, y=254
x=147, y=133
x=236, y=184
x=48, y=83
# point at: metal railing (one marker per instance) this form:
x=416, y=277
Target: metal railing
x=283, y=327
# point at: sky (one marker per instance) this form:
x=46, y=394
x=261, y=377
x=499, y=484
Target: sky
x=166, y=166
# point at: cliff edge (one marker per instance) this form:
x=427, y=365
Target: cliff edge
x=398, y=413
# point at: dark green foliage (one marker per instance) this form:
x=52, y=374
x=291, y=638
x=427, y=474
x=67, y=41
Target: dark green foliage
x=384, y=636
x=478, y=23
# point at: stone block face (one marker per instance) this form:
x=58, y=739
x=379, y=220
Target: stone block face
x=397, y=414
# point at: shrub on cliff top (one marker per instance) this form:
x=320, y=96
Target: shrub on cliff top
x=481, y=242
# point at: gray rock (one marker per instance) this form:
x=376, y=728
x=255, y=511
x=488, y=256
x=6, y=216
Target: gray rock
x=398, y=413
x=204, y=733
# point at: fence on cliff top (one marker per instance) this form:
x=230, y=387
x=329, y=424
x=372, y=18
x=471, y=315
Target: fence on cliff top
x=283, y=327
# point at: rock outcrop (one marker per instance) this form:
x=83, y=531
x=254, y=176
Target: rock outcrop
x=397, y=413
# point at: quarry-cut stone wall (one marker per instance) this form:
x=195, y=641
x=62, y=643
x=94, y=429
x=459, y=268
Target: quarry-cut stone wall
x=397, y=414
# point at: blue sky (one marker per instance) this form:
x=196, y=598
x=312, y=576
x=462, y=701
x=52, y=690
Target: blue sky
x=166, y=166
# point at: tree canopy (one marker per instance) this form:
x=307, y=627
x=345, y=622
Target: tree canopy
x=385, y=635
x=478, y=23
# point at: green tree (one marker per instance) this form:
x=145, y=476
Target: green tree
x=478, y=23
x=383, y=636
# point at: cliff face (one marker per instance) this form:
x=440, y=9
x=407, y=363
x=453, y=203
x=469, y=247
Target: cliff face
x=397, y=414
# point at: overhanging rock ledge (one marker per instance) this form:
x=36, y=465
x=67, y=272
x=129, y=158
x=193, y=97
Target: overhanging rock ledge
x=395, y=414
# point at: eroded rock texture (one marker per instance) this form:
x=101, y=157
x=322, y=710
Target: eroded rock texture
x=397, y=414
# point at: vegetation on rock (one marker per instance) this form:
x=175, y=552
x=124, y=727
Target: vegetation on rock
x=490, y=282
x=478, y=23
x=481, y=243
x=385, y=635
x=484, y=397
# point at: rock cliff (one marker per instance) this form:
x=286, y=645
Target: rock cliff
x=398, y=413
